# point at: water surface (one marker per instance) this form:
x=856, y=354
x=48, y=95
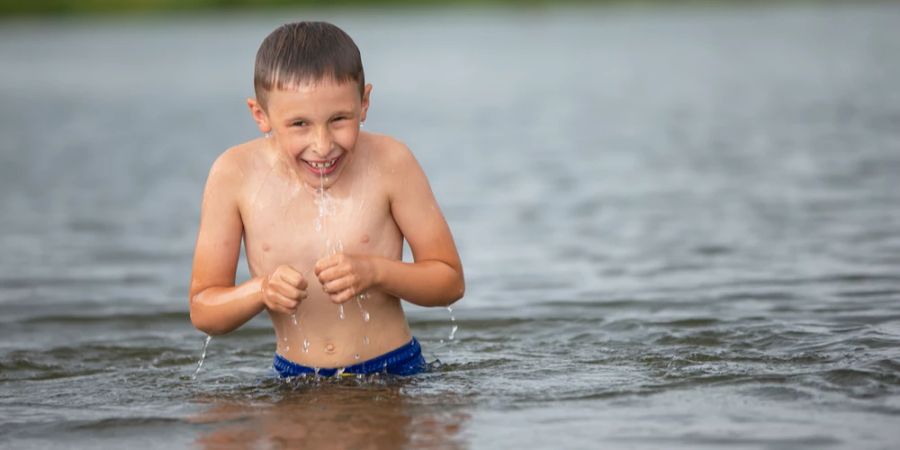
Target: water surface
x=680, y=228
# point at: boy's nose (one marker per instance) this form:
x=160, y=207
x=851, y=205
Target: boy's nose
x=322, y=143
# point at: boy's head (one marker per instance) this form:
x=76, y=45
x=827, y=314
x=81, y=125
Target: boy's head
x=306, y=52
x=311, y=97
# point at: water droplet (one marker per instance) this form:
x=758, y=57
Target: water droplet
x=340, y=246
x=453, y=326
x=341, y=311
x=306, y=345
x=365, y=314
x=366, y=340
x=294, y=319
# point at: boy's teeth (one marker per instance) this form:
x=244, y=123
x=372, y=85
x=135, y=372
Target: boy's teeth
x=323, y=165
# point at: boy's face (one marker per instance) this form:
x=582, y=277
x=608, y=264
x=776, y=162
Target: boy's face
x=315, y=126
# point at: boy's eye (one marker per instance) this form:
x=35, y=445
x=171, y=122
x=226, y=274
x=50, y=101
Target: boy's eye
x=298, y=123
x=339, y=118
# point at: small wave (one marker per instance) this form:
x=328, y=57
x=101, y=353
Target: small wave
x=118, y=318
x=78, y=282
x=117, y=423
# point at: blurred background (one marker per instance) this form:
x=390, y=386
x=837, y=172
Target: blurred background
x=680, y=223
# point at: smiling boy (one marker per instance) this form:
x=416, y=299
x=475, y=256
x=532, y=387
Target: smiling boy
x=323, y=209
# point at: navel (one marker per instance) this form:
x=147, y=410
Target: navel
x=329, y=348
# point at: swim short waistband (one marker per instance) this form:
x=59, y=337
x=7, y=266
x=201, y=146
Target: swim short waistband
x=404, y=360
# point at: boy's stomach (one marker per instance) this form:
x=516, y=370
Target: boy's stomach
x=318, y=336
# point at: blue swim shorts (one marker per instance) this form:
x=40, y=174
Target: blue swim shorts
x=403, y=361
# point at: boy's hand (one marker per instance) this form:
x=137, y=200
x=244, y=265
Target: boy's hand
x=283, y=289
x=344, y=276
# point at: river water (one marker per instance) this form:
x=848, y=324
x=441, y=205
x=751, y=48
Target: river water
x=680, y=229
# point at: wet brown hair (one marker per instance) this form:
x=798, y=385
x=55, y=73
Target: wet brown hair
x=305, y=52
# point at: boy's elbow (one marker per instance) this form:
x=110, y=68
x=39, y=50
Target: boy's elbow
x=459, y=291
x=204, y=322
x=206, y=326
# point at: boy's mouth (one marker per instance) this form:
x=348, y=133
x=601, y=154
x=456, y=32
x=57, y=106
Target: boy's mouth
x=323, y=167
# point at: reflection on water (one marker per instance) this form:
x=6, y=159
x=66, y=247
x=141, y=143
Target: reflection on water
x=328, y=414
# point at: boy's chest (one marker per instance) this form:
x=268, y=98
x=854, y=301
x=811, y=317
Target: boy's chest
x=299, y=228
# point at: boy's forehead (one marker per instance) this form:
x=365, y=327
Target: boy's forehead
x=315, y=94
x=324, y=83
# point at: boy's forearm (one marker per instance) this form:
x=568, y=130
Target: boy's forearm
x=424, y=283
x=220, y=310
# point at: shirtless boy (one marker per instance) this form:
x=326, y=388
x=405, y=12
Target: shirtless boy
x=323, y=209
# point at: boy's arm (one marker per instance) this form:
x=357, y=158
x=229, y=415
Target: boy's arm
x=217, y=305
x=436, y=276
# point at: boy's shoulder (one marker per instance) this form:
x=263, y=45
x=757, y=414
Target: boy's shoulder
x=235, y=158
x=234, y=168
x=237, y=164
x=388, y=150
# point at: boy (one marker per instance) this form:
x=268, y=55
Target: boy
x=323, y=209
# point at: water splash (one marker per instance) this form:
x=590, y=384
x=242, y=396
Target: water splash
x=202, y=357
x=321, y=201
x=322, y=196
x=339, y=373
x=321, y=224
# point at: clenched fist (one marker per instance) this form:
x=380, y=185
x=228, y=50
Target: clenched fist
x=284, y=289
x=343, y=276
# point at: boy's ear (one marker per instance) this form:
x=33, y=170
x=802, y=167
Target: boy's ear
x=367, y=91
x=259, y=115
